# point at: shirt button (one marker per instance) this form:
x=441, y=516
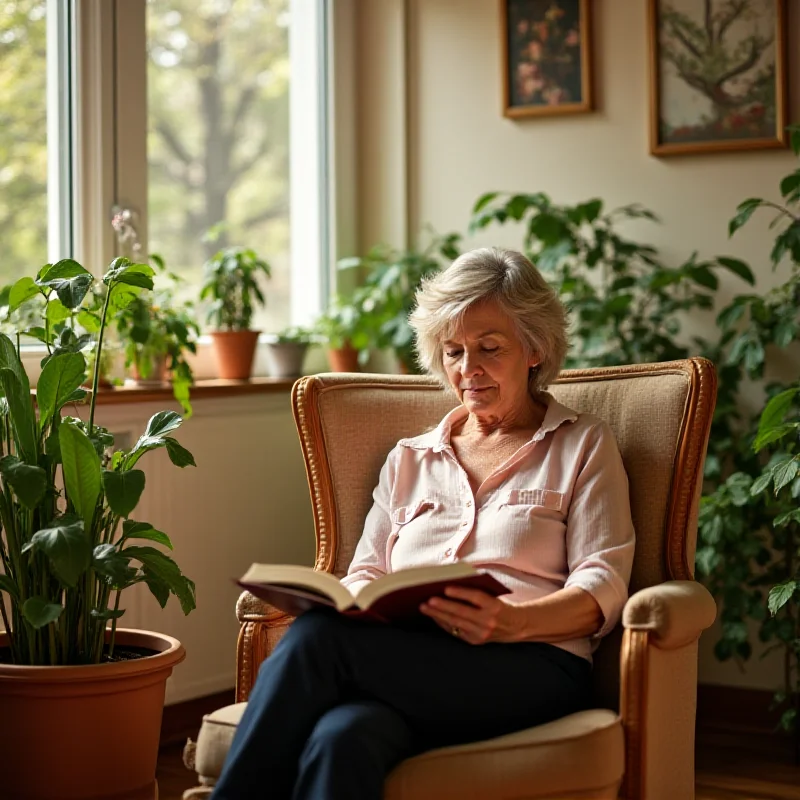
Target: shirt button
x=469, y=503
x=448, y=552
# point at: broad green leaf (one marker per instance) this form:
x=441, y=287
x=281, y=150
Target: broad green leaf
x=158, y=588
x=775, y=435
x=22, y=291
x=122, y=271
x=761, y=482
x=780, y=595
x=38, y=333
x=61, y=270
x=144, y=530
x=166, y=570
x=744, y=211
x=705, y=277
x=787, y=517
x=81, y=466
x=106, y=613
x=88, y=320
x=483, y=201
x=65, y=542
x=38, y=612
x=178, y=454
x=109, y=562
x=163, y=422
x=56, y=312
x=123, y=490
x=61, y=376
x=28, y=482
x=10, y=359
x=785, y=473
x=739, y=268
x=776, y=409
x=7, y=585
x=23, y=418
x=790, y=183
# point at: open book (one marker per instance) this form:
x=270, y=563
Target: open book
x=395, y=597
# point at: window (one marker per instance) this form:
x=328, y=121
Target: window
x=218, y=136
x=35, y=135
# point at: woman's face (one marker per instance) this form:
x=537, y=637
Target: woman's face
x=486, y=363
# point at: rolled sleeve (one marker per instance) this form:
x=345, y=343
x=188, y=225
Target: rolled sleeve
x=369, y=559
x=600, y=535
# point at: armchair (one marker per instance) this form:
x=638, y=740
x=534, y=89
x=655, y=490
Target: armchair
x=638, y=741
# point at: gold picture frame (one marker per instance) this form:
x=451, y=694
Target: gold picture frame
x=547, y=57
x=744, y=106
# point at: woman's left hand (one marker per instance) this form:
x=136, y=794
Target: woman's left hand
x=476, y=617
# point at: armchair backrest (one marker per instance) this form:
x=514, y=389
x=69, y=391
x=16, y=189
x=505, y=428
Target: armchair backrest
x=660, y=415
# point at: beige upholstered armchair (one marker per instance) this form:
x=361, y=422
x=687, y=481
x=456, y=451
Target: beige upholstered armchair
x=638, y=742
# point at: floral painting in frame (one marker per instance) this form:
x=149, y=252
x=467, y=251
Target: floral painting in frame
x=717, y=74
x=546, y=57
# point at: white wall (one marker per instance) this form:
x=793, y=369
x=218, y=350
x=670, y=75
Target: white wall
x=457, y=145
x=246, y=501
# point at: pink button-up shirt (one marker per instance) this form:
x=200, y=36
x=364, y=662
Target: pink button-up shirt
x=556, y=514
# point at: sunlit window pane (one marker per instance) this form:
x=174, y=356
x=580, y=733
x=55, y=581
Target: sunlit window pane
x=23, y=137
x=218, y=136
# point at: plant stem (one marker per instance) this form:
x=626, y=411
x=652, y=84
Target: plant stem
x=114, y=625
x=96, y=377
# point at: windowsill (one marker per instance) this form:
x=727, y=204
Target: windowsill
x=201, y=390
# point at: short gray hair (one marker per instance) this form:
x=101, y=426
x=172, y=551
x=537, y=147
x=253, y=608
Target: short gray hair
x=508, y=278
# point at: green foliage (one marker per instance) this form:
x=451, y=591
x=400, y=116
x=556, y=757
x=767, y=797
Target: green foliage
x=157, y=330
x=295, y=334
x=626, y=306
x=751, y=544
x=377, y=313
x=62, y=494
x=232, y=285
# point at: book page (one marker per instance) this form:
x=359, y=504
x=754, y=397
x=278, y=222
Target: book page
x=305, y=578
x=416, y=576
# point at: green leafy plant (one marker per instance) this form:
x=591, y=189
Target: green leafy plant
x=382, y=304
x=295, y=334
x=158, y=331
x=232, y=286
x=68, y=545
x=749, y=535
x=347, y=322
x=626, y=306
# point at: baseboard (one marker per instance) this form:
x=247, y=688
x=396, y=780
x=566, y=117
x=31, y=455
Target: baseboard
x=735, y=709
x=182, y=721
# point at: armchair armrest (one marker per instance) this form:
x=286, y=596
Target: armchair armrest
x=673, y=613
x=262, y=627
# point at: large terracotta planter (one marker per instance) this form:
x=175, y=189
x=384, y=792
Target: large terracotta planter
x=85, y=733
x=234, y=351
x=344, y=359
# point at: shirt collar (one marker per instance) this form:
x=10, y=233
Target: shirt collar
x=438, y=439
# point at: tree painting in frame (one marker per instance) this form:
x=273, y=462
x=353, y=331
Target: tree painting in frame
x=546, y=57
x=718, y=75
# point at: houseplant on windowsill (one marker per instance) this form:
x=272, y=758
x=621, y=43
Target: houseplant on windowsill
x=286, y=351
x=156, y=333
x=345, y=330
x=232, y=285
x=67, y=551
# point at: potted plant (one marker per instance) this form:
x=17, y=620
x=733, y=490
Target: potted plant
x=286, y=351
x=69, y=547
x=232, y=285
x=156, y=333
x=346, y=330
x=389, y=290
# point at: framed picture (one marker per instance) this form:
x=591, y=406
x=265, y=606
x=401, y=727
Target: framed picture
x=547, y=57
x=717, y=75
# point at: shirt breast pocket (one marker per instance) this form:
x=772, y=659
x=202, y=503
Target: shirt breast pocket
x=532, y=525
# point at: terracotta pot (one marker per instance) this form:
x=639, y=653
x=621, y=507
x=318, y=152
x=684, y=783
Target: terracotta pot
x=344, y=359
x=88, y=732
x=234, y=352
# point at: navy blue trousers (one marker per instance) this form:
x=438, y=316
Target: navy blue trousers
x=340, y=702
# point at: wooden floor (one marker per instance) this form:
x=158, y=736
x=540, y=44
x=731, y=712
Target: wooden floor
x=728, y=768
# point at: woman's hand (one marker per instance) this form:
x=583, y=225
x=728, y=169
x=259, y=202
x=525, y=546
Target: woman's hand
x=476, y=617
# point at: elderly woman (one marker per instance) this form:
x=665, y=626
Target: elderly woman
x=510, y=481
